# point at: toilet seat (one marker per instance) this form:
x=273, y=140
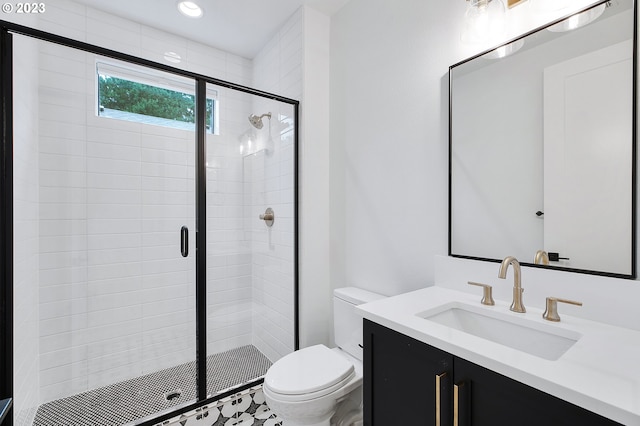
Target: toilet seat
x=307, y=374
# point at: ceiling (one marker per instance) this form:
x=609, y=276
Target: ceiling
x=242, y=27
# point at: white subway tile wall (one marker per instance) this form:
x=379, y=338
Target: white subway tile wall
x=106, y=295
x=117, y=300
x=277, y=69
x=228, y=251
x=26, y=241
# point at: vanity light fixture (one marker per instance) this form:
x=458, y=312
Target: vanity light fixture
x=483, y=19
x=506, y=50
x=512, y=3
x=544, y=6
x=579, y=20
x=190, y=9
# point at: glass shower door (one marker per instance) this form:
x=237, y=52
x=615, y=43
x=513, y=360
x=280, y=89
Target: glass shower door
x=250, y=239
x=104, y=265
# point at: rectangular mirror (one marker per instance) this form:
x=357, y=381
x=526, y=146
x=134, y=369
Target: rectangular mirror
x=542, y=146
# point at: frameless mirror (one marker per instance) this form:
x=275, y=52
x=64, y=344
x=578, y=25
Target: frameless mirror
x=542, y=146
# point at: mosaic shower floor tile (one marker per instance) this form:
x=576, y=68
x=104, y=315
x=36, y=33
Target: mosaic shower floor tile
x=133, y=399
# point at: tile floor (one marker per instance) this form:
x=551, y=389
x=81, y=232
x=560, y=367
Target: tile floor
x=246, y=408
x=137, y=398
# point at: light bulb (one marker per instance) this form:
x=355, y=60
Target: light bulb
x=484, y=19
x=579, y=19
x=190, y=9
x=506, y=50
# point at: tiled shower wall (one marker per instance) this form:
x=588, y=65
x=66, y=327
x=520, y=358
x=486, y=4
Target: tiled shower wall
x=26, y=241
x=276, y=69
x=270, y=182
x=228, y=248
x=116, y=299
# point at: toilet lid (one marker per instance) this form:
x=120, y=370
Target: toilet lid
x=307, y=370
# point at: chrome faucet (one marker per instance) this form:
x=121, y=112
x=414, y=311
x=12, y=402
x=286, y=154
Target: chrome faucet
x=516, y=305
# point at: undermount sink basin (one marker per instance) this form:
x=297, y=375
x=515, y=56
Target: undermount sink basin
x=517, y=333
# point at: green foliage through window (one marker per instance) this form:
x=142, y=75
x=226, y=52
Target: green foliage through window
x=138, y=98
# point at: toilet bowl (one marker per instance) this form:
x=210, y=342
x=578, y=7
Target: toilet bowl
x=319, y=386
x=311, y=383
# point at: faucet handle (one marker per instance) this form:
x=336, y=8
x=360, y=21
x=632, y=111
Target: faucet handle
x=551, y=312
x=487, y=298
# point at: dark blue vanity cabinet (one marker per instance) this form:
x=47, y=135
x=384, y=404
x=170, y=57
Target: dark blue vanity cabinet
x=407, y=382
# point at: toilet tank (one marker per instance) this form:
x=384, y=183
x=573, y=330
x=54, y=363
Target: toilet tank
x=347, y=323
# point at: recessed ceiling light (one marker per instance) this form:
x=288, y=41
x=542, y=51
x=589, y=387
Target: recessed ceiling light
x=190, y=9
x=172, y=57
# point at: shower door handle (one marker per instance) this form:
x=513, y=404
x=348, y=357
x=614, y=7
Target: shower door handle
x=184, y=241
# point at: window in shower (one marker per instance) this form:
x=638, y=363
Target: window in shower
x=144, y=96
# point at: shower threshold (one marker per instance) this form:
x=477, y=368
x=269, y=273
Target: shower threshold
x=147, y=395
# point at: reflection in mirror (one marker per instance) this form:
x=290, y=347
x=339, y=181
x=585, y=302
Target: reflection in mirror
x=542, y=142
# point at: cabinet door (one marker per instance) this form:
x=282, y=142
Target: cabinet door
x=406, y=382
x=487, y=398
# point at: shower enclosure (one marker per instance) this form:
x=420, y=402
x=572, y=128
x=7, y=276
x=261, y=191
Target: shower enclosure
x=149, y=234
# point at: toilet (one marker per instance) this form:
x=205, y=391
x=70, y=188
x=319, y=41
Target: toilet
x=319, y=386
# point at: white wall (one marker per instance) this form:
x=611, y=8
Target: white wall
x=389, y=135
x=389, y=103
x=316, y=315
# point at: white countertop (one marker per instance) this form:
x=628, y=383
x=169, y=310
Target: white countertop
x=600, y=372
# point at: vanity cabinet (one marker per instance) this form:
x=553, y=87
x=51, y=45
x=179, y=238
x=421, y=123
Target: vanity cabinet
x=400, y=379
x=407, y=382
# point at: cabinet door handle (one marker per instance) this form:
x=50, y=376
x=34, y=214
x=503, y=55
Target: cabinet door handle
x=456, y=403
x=439, y=378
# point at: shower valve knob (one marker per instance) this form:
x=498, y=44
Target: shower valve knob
x=268, y=217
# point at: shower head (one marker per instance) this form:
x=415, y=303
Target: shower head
x=256, y=121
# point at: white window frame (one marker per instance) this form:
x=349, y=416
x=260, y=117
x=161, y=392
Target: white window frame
x=155, y=78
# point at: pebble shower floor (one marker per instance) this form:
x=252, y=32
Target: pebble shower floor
x=134, y=399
